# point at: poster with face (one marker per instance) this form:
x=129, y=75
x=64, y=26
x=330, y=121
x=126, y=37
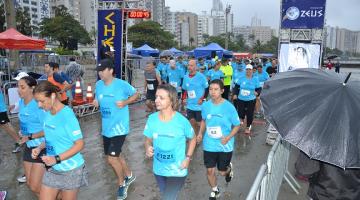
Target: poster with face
x=299, y=55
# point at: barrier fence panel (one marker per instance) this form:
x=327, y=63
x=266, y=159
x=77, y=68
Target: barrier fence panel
x=276, y=171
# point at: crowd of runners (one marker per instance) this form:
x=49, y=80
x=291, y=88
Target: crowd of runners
x=189, y=102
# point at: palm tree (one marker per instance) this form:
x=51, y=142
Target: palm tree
x=257, y=47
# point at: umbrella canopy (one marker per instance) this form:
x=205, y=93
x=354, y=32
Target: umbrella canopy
x=12, y=39
x=318, y=112
x=167, y=53
x=331, y=57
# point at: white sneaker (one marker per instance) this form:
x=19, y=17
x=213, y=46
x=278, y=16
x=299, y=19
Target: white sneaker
x=22, y=179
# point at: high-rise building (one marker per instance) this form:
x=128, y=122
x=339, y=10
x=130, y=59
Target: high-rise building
x=245, y=32
x=205, y=27
x=38, y=9
x=157, y=8
x=255, y=21
x=261, y=33
x=170, y=21
x=88, y=14
x=186, y=28
x=73, y=7
x=343, y=39
x=219, y=19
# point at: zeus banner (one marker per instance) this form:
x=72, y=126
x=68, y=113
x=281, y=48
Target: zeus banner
x=110, y=25
x=296, y=14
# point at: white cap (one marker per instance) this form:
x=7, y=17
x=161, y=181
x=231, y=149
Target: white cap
x=249, y=66
x=21, y=75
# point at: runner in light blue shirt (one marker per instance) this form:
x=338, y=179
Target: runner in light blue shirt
x=220, y=123
x=63, y=143
x=167, y=132
x=162, y=67
x=31, y=122
x=113, y=96
x=175, y=76
x=246, y=90
x=216, y=73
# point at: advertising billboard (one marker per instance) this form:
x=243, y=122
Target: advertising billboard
x=299, y=55
x=297, y=14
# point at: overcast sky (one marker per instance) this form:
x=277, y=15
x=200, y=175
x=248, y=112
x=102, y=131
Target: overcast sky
x=341, y=13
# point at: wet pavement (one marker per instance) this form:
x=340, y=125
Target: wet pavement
x=102, y=182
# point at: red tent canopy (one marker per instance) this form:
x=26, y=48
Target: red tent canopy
x=12, y=39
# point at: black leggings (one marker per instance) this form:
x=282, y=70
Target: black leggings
x=246, y=108
x=225, y=95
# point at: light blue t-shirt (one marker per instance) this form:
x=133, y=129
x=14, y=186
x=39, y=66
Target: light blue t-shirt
x=219, y=120
x=115, y=120
x=169, y=143
x=266, y=66
x=195, y=88
x=163, y=67
x=264, y=76
x=205, y=72
x=174, y=77
x=62, y=130
x=247, y=88
x=3, y=107
x=31, y=119
x=182, y=65
x=213, y=74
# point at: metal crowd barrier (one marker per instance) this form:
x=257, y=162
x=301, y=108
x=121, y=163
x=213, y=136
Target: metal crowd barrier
x=84, y=110
x=271, y=174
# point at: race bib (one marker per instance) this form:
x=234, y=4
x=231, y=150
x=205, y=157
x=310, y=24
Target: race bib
x=214, y=132
x=150, y=86
x=192, y=94
x=164, y=156
x=245, y=93
x=174, y=84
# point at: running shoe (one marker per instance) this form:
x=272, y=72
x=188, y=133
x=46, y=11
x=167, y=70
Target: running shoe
x=21, y=179
x=214, y=194
x=17, y=148
x=230, y=175
x=129, y=180
x=122, y=194
x=3, y=195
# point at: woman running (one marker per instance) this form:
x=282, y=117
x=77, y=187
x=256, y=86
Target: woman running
x=166, y=134
x=31, y=119
x=63, y=142
x=246, y=89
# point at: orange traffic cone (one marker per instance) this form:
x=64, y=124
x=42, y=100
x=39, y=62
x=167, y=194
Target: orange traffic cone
x=89, y=94
x=78, y=98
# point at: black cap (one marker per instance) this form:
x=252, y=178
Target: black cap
x=105, y=63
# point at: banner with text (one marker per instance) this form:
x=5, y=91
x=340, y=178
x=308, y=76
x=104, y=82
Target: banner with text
x=110, y=26
x=297, y=14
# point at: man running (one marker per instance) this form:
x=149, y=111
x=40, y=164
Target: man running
x=195, y=85
x=220, y=122
x=113, y=95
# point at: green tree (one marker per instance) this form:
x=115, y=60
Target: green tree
x=258, y=47
x=23, y=20
x=151, y=33
x=271, y=46
x=64, y=28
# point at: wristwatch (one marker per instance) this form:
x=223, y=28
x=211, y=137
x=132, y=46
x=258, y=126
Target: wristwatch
x=57, y=158
x=188, y=157
x=30, y=137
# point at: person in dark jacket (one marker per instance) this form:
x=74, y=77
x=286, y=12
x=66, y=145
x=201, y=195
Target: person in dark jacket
x=334, y=183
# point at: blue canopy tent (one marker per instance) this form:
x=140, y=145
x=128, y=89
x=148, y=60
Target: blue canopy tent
x=172, y=52
x=146, y=51
x=211, y=50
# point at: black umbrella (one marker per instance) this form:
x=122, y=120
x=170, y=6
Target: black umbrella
x=331, y=57
x=317, y=111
